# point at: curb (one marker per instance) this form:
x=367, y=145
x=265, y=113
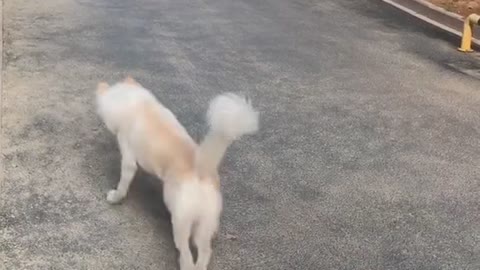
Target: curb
x=434, y=15
x=439, y=9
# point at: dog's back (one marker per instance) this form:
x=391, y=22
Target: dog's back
x=159, y=142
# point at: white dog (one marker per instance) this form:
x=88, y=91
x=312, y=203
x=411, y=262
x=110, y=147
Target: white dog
x=149, y=135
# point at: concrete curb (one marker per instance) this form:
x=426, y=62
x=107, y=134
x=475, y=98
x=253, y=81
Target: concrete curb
x=439, y=9
x=434, y=15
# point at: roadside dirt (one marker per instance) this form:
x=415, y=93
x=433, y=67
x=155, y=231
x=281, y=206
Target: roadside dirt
x=462, y=7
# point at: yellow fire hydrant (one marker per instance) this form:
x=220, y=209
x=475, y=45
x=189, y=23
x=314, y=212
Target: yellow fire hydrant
x=470, y=21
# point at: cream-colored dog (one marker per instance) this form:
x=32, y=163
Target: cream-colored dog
x=149, y=135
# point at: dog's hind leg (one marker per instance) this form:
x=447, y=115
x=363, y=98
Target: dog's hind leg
x=182, y=227
x=202, y=239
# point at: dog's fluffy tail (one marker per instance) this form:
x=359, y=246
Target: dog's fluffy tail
x=229, y=117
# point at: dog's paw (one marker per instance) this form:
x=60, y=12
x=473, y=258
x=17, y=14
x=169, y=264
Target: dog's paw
x=186, y=264
x=113, y=196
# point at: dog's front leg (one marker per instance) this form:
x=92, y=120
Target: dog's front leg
x=128, y=170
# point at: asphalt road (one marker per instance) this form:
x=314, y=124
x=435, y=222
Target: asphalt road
x=367, y=158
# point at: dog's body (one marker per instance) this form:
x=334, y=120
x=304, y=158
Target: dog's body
x=149, y=135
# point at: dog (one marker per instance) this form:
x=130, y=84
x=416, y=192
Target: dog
x=150, y=136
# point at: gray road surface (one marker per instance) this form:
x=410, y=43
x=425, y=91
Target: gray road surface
x=368, y=155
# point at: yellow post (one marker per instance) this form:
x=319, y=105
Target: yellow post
x=471, y=20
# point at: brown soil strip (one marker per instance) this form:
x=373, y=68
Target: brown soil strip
x=462, y=7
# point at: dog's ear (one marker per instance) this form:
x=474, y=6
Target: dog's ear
x=130, y=80
x=102, y=87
